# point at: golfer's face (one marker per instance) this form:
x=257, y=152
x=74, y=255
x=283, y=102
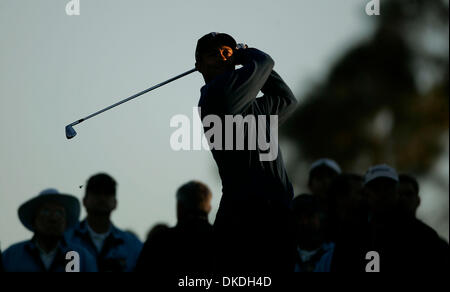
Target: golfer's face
x=50, y=219
x=217, y=60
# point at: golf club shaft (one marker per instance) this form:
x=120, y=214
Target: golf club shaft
x=134, y=96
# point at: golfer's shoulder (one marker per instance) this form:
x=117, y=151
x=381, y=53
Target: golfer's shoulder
x=257, y=55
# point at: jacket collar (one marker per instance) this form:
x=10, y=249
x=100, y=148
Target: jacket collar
x=31, y=245
x=61, y=250
x=82, y=229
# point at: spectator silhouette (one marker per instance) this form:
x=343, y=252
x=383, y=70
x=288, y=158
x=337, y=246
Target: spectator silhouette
x=47, y=216
x=313, y=253
x=253, y=224
x=188, y=246
x=1, y=262
x=321, y=174
x=346, y=208
x=156, y=230
x=114, y=249
x=408, y=190
x=403, y=242
x=347, y=223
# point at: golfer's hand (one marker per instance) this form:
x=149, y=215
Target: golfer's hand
x=241, y=46
x=238, y=52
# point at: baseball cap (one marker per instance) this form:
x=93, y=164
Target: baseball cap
x=381, y=170
x=330, y=163
x=213, y=40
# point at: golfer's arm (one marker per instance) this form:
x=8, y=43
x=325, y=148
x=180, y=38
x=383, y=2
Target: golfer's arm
x=242, y=85
x=278, y=98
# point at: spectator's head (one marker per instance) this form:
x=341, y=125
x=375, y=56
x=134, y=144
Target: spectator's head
x=380, y=187
x=193, y=200
x=214, y=55
x=307, y=220
x=50, y=213
x=321, y=174
x=408, y=190
x=100, y=195
x=345, y=196
x=156, y=230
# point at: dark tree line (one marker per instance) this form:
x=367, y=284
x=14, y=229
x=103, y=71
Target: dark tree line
x=386, y=99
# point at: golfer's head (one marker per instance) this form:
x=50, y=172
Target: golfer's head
x=214, y=54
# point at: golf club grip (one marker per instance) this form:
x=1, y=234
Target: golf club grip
x=140, y=93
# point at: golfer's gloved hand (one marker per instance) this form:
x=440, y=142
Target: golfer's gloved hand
x=241, y=46
x=238, y=53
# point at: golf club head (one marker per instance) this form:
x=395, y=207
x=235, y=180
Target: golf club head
x=70, y=132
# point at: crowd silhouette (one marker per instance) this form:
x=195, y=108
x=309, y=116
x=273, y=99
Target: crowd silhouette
x=344, y=217
x=189, y=245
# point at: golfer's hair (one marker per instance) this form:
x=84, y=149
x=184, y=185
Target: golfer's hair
x=101, y=182
x=213, y=40
x=406, y=178
x=192, y=195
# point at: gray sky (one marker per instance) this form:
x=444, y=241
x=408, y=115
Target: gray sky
x=58, y=68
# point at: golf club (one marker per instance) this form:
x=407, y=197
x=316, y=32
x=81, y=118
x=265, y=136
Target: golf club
x=70, y=131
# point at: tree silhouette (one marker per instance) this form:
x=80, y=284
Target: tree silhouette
x=384, y=100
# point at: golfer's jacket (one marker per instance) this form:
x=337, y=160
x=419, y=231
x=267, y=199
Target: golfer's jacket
x=247, y=179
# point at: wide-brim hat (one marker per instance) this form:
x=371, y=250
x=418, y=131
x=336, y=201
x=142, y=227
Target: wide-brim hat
x=27, y=211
